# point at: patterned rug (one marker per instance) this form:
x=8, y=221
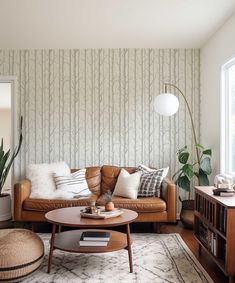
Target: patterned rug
x=156, y=258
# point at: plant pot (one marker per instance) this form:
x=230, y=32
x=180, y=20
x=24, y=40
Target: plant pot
x=187, y=213
x=5, y=207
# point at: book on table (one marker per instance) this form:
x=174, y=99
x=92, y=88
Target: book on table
x=94, y=238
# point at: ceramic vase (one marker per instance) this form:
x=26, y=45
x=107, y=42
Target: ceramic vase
x=109, y=206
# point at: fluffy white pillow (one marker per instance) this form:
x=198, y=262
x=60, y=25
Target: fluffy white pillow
x=127, y=184
x=42, y=182
x=75, y=184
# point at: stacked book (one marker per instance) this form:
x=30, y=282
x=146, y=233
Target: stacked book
x=94, y=239
x=224, y=192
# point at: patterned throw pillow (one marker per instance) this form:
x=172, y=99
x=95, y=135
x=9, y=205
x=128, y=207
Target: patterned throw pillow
x=75, y=183
x=150, y=181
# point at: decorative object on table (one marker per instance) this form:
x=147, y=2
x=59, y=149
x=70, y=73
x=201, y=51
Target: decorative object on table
x=93, y=209
x=167, y=104
x=109, y=205
x=6, y=161
x=100, y=213
x=224, y=185
x=223, y=181
x=21, y=253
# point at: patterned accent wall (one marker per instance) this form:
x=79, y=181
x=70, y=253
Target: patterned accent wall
x=95, y=106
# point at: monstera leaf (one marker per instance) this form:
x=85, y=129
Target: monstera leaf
x=201, y=168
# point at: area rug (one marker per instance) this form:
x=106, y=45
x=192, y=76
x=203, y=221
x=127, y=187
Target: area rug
x=156, y=258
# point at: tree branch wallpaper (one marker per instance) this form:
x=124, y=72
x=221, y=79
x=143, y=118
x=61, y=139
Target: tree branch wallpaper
x=95, y=106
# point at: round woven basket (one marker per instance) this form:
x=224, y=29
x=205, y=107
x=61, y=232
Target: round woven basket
x=21, y=253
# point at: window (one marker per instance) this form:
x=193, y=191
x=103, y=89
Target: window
x=228, y=118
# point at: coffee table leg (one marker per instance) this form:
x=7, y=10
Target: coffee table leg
x=128, y=235
x=51, y=247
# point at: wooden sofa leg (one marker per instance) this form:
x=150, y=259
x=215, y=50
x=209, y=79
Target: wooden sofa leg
x=157, y=227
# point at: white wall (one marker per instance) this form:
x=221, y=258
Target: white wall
x=5, y=133
x=219, y=48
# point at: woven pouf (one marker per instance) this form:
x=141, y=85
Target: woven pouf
x=21, y=253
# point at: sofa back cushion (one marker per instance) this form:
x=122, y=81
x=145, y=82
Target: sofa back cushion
x=93, y=178
x=109, y=176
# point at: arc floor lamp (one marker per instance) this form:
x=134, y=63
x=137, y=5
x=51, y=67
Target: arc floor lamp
x=167, y=104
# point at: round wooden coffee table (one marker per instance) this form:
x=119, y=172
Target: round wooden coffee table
x=69, y=240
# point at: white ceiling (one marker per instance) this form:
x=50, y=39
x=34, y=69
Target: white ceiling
x=110, y=23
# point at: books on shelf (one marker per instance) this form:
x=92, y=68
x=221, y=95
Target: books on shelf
x=94, y=239
x=208, y=238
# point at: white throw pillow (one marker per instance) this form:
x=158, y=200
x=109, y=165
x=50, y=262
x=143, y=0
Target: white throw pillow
x=127, y=184
x=41, y=177
x=75, y=184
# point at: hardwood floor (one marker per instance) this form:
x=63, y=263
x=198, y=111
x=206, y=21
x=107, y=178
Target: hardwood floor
x=213, y=270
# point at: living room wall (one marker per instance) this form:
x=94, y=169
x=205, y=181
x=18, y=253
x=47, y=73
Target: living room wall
x=217, y=50
x=95, y=106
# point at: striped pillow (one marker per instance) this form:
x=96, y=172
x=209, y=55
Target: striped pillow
x=150, y=181
x=75, y=183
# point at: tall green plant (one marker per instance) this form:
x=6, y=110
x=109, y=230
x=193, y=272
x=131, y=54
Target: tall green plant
x=6, y=158
x=201, y=168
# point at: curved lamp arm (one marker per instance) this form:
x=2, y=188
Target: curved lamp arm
x=190, y=114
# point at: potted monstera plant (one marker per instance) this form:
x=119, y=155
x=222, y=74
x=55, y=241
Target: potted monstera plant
x=184, y=178
x=6, y=160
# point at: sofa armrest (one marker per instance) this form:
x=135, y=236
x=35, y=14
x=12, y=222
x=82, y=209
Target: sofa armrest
x=168, y=193
x=22, y=191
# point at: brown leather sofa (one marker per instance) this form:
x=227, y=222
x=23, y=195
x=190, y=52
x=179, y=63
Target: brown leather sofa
x=100, y=180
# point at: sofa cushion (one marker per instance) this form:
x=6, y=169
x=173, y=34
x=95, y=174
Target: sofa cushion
x=47, y=204
x=127, y=184
x=153, y=204
x=93, y=178
x=75, y=183
x=110, y=175
x=150, y=181
x=41, y=177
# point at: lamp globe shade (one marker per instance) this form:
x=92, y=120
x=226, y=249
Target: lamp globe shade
x=166, y=104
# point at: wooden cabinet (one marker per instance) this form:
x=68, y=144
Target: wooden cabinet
x=214, y=228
